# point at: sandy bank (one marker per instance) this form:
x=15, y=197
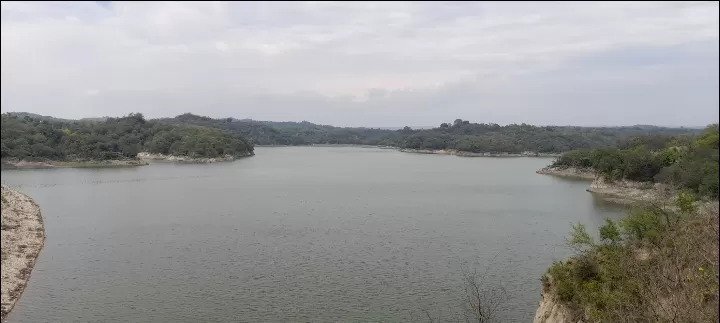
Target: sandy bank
x=23, y=236
x=460, y=153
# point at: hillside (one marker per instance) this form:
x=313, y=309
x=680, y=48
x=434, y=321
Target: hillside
x=660, y=263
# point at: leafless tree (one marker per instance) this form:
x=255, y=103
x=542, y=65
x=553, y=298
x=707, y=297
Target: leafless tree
x=483, y=297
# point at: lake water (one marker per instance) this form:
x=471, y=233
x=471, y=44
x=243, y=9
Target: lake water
x=297, y=234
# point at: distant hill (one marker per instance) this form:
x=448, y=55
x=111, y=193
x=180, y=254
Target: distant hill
x=36, y=116
x=461, y=135
x=42, y=117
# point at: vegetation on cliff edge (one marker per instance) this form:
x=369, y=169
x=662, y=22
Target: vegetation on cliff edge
x=656, y=265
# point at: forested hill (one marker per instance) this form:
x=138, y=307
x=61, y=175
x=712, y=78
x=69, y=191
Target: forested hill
x=460, y=135
x=31, y=137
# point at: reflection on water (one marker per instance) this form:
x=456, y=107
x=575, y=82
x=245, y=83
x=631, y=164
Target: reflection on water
x=321, y=234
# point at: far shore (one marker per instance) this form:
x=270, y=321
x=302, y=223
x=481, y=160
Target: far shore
x=462, y=153
x=329, y=145
x=452, y=152
x=141, y=160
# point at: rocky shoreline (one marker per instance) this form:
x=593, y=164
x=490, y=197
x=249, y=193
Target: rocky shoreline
x=23, y=236
x=621, y=191
x=460, y=153
x=550, y=310
x=23, y=164
x=141, y=160
x=145, y=156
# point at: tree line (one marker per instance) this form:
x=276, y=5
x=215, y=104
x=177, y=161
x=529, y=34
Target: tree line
x=33, y=136
x=28, y=137
x=688, y=161
x=460, y=135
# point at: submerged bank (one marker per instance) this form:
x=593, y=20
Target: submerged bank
x=23, y=235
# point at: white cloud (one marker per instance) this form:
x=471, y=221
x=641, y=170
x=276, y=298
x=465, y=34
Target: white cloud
x=432, y=61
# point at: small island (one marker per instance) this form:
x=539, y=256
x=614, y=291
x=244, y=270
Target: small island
x=45, y=142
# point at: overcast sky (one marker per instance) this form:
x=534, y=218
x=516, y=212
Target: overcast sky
x=366, y=64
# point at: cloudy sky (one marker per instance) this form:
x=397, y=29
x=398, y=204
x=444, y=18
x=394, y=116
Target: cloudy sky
x=364, y=63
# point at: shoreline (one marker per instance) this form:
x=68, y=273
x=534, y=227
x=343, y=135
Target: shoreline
x=22, y=164
x=329, y=145
x=461, y=153
x=621, y=192
x=141, y=160
x=146, y=156
x=23, y=236
x=569, y=172
x=451, y=152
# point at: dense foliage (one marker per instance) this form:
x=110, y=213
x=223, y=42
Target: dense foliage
x=461, y=135
x=30, y=138
x=101, y=139
x=656, y=265
x=688, y=162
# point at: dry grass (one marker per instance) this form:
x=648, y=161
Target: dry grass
x=663, y=267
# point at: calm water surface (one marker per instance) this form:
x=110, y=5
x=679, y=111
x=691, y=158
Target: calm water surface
x=307, y=234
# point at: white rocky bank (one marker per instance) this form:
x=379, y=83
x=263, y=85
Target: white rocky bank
x=23, y=235
x=185, y=159
x=550, y=310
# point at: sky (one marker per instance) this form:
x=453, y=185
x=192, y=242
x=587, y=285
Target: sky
x=377, y=64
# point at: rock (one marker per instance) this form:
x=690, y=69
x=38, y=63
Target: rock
x=568, y=172
x=23, y=235
x=550, y=310
x=186, y=159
